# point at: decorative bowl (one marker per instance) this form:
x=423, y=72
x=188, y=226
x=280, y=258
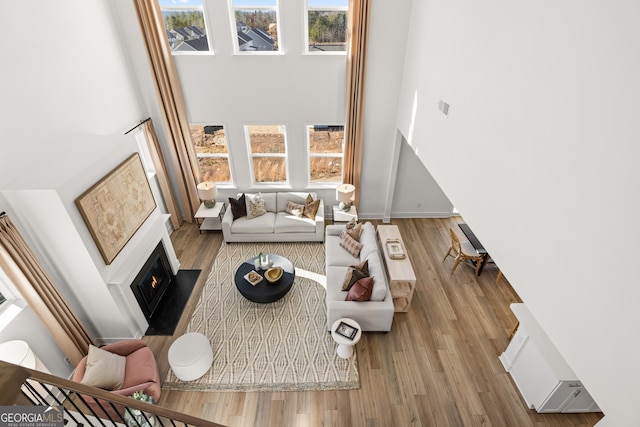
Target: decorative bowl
x=273, y=274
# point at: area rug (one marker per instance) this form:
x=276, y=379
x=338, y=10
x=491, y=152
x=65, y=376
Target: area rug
x=280, y=346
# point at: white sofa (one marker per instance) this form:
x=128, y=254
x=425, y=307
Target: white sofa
x=276, y=225
x=373, y=315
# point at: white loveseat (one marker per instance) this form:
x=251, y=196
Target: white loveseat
x=373, y=315
x=276, y=225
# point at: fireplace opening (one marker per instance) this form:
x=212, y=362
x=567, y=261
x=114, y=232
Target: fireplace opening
x=152, y=281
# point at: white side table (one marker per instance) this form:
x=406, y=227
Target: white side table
x=344, y=216
x=210, y=218
x=345, y=345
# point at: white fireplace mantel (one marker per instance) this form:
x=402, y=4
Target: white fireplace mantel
x=142, y=245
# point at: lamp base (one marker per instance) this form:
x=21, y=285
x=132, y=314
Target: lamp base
x=344, y=206
x=209, y=203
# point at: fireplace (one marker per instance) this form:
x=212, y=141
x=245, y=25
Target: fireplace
x=152, y=281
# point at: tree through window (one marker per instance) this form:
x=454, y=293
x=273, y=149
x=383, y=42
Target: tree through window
x=185, y=25
x=327, y=25
x=256, y=25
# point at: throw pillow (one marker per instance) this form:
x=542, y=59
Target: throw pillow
x=361, y=290
x=363, y=266
x=238, y=206
x=104, y=369
x=309, y=199
x=354, y=232
x=355, y=273
x=351, y=245
x=294, y=208
x=352, y=223
x=310, y=209
x=255, y=207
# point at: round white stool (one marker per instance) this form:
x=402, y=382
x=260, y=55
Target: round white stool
x=345, y=345
x=190, y=356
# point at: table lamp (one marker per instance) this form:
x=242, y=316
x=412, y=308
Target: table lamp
x=207, y=192
x=345, y=194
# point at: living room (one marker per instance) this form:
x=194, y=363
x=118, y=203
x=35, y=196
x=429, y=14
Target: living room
x=536, y=148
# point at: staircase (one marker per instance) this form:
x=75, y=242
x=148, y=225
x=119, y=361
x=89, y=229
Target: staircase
x=28, y=387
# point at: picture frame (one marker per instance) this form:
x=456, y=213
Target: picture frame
x=395, y=249
x=346, y=330
x=115, y=207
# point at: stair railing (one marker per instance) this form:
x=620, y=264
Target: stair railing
x=28, y=387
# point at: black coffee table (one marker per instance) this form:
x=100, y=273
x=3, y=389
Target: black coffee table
x=265, y=292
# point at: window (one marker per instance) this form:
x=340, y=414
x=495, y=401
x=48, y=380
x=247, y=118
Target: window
x=267, y=147
x=210, y=143
x=326, y=152
x=10, y=306
x=327, y=26
x=184, y=25
x=256, y=25
x=6, y=296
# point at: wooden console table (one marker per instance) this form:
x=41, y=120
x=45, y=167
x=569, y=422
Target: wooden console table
x=402, y=280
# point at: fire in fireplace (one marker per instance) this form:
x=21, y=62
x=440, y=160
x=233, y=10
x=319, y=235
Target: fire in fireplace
x=152, y=281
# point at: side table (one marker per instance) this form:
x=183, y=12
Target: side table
x=344, y=216
x=210, y=218
x=345, y=345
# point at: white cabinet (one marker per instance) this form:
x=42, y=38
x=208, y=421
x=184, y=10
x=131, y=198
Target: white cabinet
x=543, y=377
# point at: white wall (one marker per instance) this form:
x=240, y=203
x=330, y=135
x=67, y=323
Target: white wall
x=539, y=154
x=39, y=340
x=67, y=99
x=291, y=88
x=416, y=194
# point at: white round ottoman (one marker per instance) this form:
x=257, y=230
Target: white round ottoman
x=190, y=356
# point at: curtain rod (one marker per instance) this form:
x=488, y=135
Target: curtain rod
x=141, y=122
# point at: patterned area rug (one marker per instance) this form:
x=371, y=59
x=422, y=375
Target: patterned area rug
x=281, y=346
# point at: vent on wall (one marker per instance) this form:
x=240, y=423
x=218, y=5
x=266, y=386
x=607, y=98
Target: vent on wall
x=443, y=107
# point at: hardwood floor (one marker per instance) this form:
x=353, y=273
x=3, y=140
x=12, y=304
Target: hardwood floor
x=438, y=366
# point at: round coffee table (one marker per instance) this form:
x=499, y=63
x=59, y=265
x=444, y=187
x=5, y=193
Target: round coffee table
x=265, y=292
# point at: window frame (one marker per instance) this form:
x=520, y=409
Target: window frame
x=203, y=9
x=308, y=8
x=13, y=304
x=226, y=155
x=252, y=155
x=234, y=34
x=310, y=155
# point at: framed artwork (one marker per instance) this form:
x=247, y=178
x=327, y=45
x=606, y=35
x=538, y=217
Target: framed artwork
x=116, y=206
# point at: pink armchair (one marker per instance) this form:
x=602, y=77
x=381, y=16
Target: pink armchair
x=141, y=374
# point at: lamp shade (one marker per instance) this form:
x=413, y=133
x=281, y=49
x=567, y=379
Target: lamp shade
x=345, y=193
x=207, y=190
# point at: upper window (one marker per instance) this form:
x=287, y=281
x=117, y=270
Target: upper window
x=185, y=25
x=326, y=153
x=327, y=26
x=256, y=25
x=267, y=147
x=210, y=143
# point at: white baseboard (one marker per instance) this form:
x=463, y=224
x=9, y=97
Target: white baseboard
x=366, y=215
